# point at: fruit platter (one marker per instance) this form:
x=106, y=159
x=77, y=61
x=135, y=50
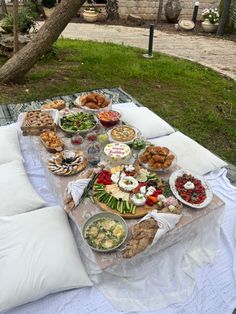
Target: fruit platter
x=67, y=163
x=93, y=102
x=191, y=189
x=157, y=158
x=78, y=122
x=132, y=192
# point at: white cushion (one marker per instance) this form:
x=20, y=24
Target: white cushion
x=38, y=256
x=190, y=154
x=9, y=145
x=17, y=193
x=146, y=121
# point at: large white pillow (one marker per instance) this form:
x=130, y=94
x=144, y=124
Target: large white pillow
x=9, y=145
x=17, y=193
x=190, y=154
x=146, y=121
x=38, y=256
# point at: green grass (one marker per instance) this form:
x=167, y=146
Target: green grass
x=196, y=100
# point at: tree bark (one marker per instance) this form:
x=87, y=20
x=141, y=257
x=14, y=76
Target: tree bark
x=112, y=9
x=4, y=7
x=15, y=26
x=160, y=9
x=16, y=67
x=224, y=18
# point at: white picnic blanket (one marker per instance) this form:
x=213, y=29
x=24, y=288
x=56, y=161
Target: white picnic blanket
x=210, y=289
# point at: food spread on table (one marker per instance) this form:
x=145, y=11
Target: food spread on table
x=122, y=186
x=67, y=163
x=105, y=234
x=93, y=101
x=78, y=122
x=157, y=158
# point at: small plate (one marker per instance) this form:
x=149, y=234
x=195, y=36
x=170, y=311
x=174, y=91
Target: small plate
x=110, y=216
x=179, y=173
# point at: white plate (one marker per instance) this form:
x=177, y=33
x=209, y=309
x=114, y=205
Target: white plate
x=77, y=103
x=179, y=173
x=145, y=165
x=110, y=138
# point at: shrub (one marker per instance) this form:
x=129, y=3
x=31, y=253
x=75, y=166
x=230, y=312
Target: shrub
x=26, y=21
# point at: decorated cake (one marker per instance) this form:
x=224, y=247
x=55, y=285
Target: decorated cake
x=117, y=153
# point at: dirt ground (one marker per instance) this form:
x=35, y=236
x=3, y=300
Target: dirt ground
x=163, y=26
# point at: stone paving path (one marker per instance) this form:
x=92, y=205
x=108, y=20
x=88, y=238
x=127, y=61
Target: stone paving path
x=215, y=53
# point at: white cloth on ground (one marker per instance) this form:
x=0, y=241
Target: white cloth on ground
x=215, y=287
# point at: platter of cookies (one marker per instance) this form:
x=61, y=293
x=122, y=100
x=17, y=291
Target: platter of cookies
x=67, y=163
x=94, y=102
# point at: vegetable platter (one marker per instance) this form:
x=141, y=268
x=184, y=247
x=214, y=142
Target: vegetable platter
x=191, y=189
x=132, y=192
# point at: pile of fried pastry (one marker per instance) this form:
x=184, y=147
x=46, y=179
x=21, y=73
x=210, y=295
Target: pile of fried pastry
x=94, y=101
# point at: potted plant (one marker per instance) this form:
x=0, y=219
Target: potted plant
x=211, y=19
x=90, y=14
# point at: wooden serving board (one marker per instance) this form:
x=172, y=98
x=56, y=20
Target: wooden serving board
x=140, y=211
x=35, y=130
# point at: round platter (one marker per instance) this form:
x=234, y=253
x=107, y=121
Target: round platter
x=181, y=172
x=146, y=166
x=67, y=163
x=112, y=139
x=78, y=131
x=99, y=216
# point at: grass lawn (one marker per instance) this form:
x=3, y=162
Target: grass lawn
x=196, y=100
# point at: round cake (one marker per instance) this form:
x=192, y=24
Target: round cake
x=117, y=152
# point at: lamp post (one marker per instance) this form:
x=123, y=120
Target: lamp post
x=195, y=10
x=150, y=42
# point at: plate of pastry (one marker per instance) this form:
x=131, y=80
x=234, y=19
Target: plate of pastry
x=157, y=158
x=123, y=134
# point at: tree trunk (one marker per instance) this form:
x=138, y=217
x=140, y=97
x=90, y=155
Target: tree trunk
x=15, y=26
x=112, y=10
x=4, y=7
x=224, y=18
x=160, y=9
x=16, y=67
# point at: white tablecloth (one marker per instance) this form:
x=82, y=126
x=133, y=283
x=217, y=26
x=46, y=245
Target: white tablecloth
x=215, y=289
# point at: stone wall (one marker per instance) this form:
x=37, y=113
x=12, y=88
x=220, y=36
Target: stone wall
x=147, y=9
